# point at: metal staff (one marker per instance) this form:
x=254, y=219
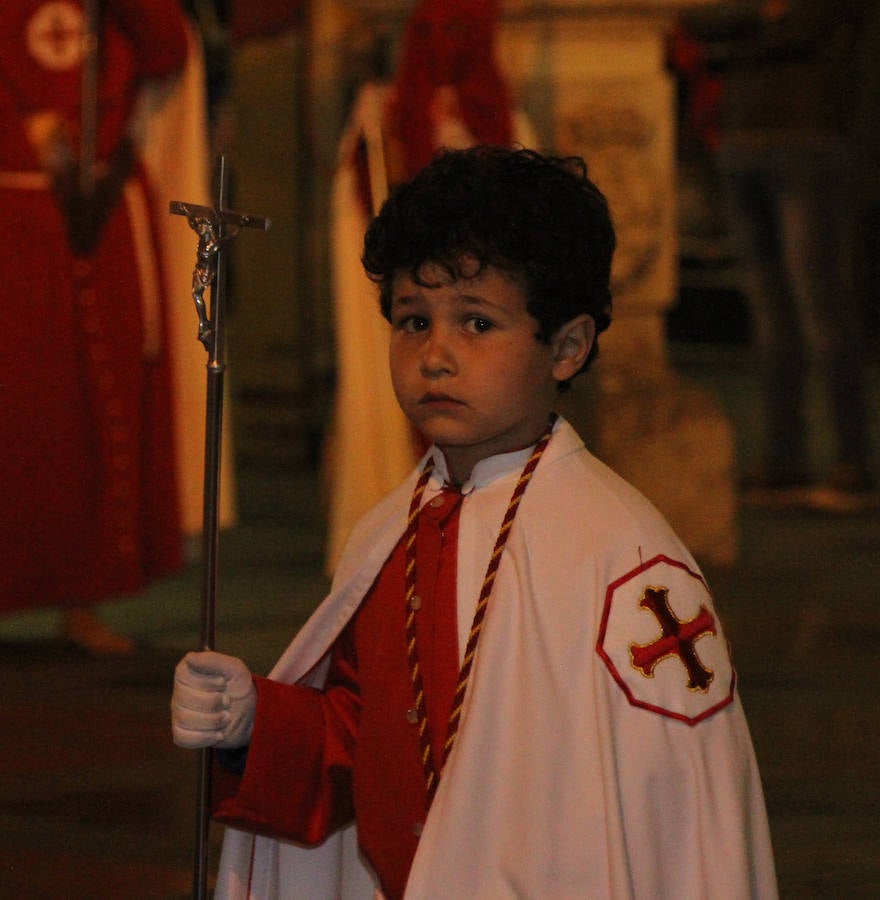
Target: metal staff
x=215, y=226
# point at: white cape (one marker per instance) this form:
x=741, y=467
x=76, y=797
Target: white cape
x=574, y=775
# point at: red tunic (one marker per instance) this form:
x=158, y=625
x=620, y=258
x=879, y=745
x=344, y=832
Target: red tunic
x=319, y=759
x=86, y=455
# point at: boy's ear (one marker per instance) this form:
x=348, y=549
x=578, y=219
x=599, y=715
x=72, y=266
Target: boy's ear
x=571, y=346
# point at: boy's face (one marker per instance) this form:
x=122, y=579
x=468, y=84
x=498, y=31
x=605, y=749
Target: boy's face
x=467, y=367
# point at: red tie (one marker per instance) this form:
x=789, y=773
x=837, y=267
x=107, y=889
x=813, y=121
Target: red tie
x=437, y=617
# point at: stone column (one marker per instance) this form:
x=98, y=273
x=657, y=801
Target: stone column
x=591, y=75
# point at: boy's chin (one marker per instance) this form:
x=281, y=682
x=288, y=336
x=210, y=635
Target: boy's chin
x=440, y=430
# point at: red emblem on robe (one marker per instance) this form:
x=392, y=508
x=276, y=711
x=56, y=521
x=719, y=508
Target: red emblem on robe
x=662, y=642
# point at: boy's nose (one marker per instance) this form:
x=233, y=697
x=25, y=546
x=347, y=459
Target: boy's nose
x=436, y=357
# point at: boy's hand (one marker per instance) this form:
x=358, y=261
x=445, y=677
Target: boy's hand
x=213, y=703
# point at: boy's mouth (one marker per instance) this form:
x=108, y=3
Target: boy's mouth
x=438, y=399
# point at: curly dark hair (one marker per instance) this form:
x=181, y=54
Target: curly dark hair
x=539, y=219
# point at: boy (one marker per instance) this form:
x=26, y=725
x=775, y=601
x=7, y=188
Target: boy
x=518, y=686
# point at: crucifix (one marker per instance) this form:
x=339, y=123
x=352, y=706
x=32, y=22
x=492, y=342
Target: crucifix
x=216, y=226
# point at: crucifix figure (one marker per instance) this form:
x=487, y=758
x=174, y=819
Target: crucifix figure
x=214, y=226
x=204, y=271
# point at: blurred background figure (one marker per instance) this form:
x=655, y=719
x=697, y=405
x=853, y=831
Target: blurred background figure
x=371, y=446
x=786, y=156
x=87, y=455
x=447, y=91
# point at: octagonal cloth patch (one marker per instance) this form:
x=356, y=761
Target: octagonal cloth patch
x=662, y=643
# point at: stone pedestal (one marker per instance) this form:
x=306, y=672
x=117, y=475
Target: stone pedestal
x=591, y=76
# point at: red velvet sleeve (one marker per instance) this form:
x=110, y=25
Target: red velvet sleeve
x=297, y=780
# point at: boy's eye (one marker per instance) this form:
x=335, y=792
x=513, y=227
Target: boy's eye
x=478, y=325
x=411, y=324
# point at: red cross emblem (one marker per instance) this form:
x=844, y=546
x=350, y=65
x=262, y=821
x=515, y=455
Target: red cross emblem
x=677, y=638
x=691, y=686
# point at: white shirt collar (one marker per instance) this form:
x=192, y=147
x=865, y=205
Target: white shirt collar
x=484, y=472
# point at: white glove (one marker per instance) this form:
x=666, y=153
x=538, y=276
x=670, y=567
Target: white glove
x=213, y=703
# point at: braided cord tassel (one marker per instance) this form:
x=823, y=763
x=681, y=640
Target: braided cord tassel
x=415, y=670
x=432, y=776
x=488, y=583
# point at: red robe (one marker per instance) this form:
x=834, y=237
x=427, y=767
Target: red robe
x=86, y=449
